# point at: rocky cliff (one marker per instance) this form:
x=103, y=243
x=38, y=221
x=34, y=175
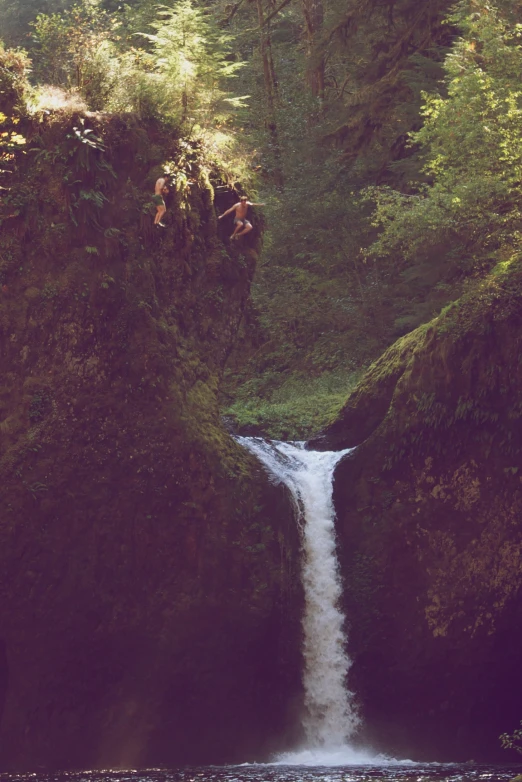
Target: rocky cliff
x=430, y=520
x=147, y=565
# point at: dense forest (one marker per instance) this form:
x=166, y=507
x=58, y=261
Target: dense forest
x=377, y=303
x=382, y=136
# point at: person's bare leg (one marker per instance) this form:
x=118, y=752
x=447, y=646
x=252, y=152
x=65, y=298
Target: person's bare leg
x=236, y=229
x=159, y=214
x=245, y=230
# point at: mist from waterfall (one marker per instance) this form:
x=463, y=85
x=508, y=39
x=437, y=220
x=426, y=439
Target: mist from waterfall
x=331, y=715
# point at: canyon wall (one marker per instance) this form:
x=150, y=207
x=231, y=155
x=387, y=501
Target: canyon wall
x=430, y=522
x=148, y=596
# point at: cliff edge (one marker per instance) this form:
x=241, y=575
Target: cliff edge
x=147, y=564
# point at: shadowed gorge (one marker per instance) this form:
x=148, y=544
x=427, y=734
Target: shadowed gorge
x=260, y=407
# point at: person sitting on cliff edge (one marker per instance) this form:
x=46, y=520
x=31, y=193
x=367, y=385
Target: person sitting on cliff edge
x=240, y=220
x=160, y=189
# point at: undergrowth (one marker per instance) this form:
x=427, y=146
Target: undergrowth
x=294, y=410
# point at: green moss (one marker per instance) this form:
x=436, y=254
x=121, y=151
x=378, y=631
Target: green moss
x=394, y=361
x=434, y=394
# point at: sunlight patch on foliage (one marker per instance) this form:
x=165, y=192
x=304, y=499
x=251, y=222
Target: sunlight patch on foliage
x=471, y=146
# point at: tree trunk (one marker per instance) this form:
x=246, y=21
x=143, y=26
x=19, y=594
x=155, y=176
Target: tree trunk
x=265, y=47
x=314, y=15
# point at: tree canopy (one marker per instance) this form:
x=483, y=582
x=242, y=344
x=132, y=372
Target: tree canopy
x=383, y=136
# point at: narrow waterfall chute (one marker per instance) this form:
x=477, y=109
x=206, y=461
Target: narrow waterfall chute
x=331, y=717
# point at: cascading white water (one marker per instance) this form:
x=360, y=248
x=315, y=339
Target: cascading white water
x=331, y=717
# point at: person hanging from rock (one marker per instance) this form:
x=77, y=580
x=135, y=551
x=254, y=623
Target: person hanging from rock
x=160, y=190
x=240, y=220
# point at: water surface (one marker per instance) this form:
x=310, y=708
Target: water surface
x=394, y=772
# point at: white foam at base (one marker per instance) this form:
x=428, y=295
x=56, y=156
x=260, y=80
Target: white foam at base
x=336, y=756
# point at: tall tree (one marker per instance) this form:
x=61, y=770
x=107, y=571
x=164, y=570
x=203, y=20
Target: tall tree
x=270, y=83
x=314, y=17
x=471, y=150
x=195, y=60
x=380, y=58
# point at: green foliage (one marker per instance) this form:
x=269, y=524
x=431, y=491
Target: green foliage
x=193, y=59
x=295, y=410
x=137, y=88
x=379, y=57
x=177, y=74
x=446, y=192
x=14, y=65
x=318, y=303
x=323, y=304
x=471, y=148
x=72, y=50
x=16, y=16
x=13, y=92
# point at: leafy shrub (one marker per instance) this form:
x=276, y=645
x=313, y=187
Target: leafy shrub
x=13, y=81
x=72, y=50
x=297, y=409
x=513, y=740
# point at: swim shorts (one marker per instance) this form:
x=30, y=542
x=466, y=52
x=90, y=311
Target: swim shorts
x=158, y=200
x=238, y=221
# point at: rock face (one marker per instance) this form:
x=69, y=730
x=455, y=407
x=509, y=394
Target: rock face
x=148, y=591
x=430, y=520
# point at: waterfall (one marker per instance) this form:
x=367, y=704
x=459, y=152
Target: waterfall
x=331, y=717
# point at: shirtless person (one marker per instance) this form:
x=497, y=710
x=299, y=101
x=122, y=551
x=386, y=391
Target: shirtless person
x=240, y=221
x=160, y=189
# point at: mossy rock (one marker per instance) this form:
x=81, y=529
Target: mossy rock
x=430, y=502
x=149, y=566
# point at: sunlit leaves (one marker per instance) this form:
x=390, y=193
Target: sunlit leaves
x=513, y=740
x=470, y=142
x=193, y=58
x=73, y=50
